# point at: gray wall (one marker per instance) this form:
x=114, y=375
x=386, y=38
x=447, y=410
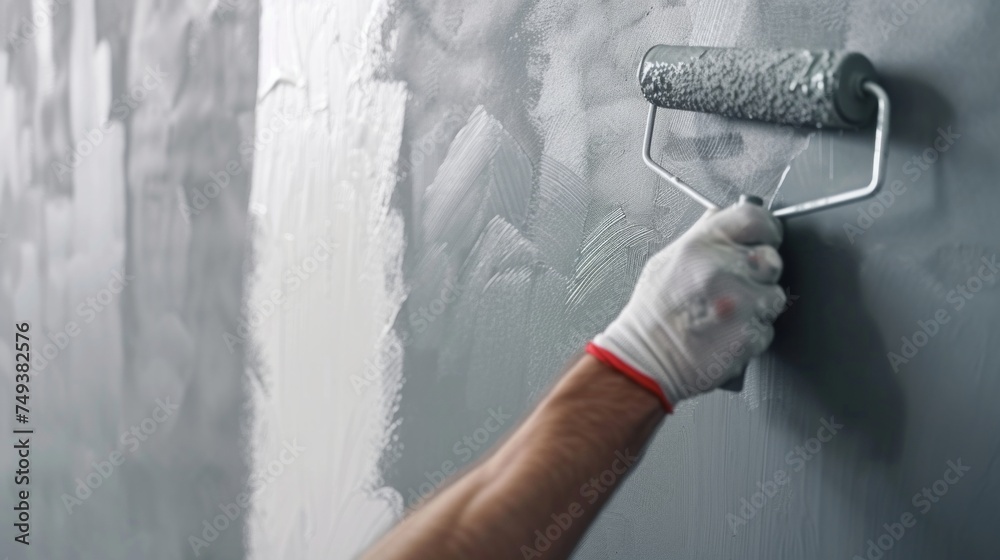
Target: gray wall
x=114, y=114
x=523, y=188
x=526, y=215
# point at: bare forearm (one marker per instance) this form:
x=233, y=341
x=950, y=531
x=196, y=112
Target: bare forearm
x=594, y=420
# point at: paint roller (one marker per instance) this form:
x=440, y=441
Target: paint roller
x=822, y=89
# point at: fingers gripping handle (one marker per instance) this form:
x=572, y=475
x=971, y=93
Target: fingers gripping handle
x=736, y=384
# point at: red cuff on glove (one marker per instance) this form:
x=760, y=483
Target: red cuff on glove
x=612, y=361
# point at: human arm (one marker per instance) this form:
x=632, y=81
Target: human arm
x=700, y=310
x=589, y=422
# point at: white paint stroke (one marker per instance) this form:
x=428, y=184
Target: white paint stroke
x=324, y=179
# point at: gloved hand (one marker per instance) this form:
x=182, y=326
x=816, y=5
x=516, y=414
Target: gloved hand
x=702, y=308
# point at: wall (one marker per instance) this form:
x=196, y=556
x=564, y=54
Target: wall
x=528, y=213
x=123, y=197
x=447, y=202
x=324, y=281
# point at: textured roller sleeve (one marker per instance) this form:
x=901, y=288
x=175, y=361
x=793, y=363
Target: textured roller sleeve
x=795, y=87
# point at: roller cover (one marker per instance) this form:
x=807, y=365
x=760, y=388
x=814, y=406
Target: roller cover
x=790, y=86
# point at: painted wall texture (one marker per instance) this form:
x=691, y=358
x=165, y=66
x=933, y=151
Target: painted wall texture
x=447, y=202
x=326, y=280
x=528, y=214
x=123, y=197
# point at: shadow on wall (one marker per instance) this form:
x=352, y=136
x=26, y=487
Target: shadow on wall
x=829, y=337
x=836, y=344
x=833, y=344
x=919, y=112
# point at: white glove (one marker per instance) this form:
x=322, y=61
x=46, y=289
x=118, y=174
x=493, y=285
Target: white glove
x=702, y=308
